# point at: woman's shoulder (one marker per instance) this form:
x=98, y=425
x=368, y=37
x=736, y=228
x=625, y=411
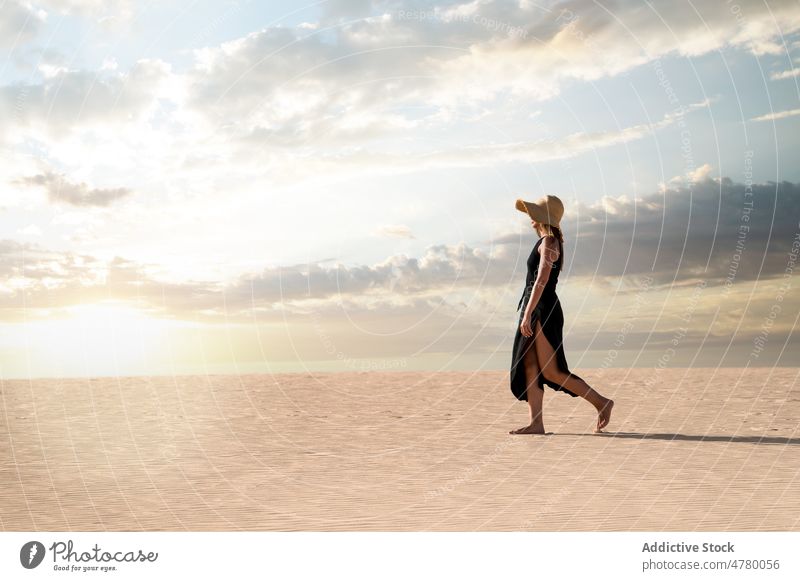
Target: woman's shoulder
x=550, y=247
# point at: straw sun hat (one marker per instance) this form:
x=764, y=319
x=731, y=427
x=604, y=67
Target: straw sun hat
x=546, y=210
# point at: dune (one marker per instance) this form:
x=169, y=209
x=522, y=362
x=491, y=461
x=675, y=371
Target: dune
x=686, y=449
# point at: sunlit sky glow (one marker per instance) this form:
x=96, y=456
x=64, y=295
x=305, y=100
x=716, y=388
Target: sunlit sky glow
x=222, y=187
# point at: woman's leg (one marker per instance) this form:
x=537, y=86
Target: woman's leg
x=534, y=393
x=548, y=363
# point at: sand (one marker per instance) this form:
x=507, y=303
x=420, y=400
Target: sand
x=686, y=449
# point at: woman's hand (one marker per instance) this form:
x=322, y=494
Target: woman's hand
x=525, y=326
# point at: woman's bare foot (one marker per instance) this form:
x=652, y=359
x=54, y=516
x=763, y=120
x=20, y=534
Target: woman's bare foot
x=531, y=429
x=604, y=415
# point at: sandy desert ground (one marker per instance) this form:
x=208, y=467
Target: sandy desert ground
x=687, y=449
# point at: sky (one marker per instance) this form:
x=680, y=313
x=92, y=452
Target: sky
x=249, y=187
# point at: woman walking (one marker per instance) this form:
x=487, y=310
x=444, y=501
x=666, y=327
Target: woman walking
x=538, y=352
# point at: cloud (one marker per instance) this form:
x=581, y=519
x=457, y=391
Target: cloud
x=335, y=10
x=558, y=148
x=460, y=300
x=33, y=277
x=780, y=75
x=395, y=231
x=777, y=115
x=39, y=58
x=384, y=68
x=60, y=190
x=24, y=265
x=676, y=237
x=551, y=149
x=376, y=74
x=108, y=13
x=365, y=160
x=687, y=28
x=291, y=86
x=30, y=230
x=19, y=24
x=701, y=174
x=57, y=279
x=441, y=267
x=716, y=230
x=81, y=100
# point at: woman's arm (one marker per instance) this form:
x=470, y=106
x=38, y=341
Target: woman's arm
x=548, y=251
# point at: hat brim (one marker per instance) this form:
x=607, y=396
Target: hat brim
x=533, y=210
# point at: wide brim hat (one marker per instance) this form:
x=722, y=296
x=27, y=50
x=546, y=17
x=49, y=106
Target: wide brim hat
x=546, y=210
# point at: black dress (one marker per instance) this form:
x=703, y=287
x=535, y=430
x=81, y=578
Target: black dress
x=548, y=312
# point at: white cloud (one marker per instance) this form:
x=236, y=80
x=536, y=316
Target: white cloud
x=30, y=230
x=296, y=88
x=671, y=236
x=109, y=64
x=700, y=174
x=283, y=87
x=110, y=14
x=79, y=100
x=19, y=23
x=284, y=105
x=566, y=147
x=777, y=115
x=49, y=70
x=780, y=75
x=695, y=176
x=394, y=231
x=59, y=189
